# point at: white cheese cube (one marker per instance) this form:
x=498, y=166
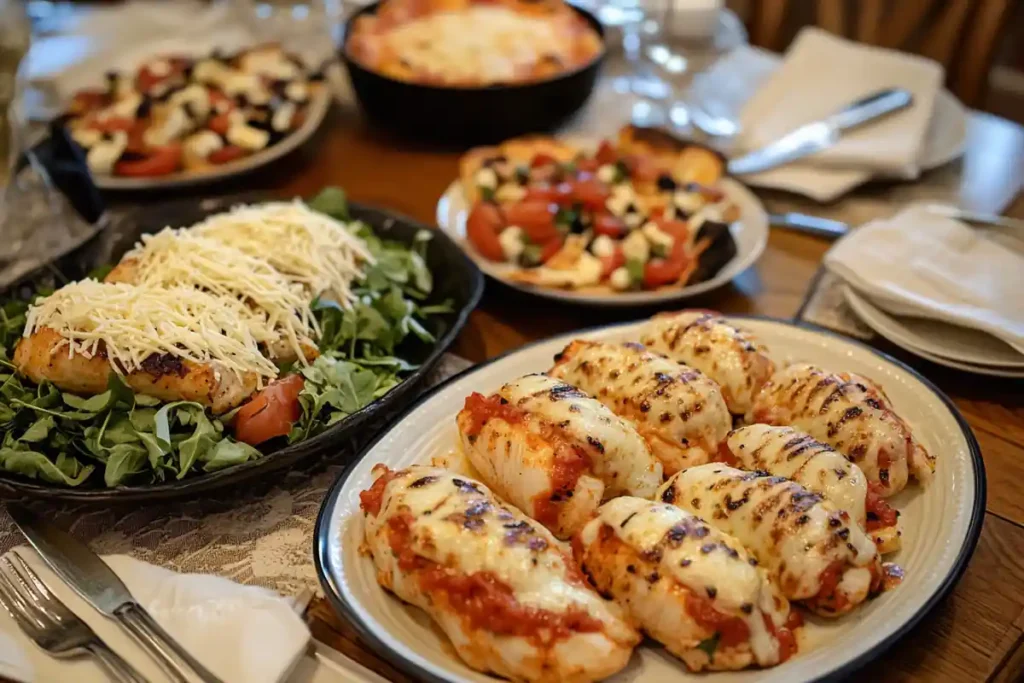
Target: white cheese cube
x=509, y=193
x=633, y=220
x=606, y=173
x=210, y=71
x=588, y=270
x=282, y=118
x=487, y=178
x=635, y=247
x=621, y=198
x=86, y=137
x=104, y=154
x=159, y=67
x=176, y=125
x=709, y=213
x=196, y=96
x=687, y=202
x=603, y=246
x=296, y=91
x=248, y=138
x=204, y=143
x=619, y=279
x=511, y=240
x=124, y=108
x=657, y=237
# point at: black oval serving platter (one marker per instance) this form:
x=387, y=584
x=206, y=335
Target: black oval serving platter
x=456, y=279
x=465, y=115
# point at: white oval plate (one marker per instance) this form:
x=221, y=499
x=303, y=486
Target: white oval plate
x=941, y=524
x=318, y=107
x=750, y=233
x=954, y=347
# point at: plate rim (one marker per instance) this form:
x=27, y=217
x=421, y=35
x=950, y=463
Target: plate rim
x=974, y=526
x=615, y=300
x=319, y=105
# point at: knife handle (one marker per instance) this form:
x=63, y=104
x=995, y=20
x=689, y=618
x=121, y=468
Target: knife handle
x=161, y=646
x=871, y=107
x=812, y=225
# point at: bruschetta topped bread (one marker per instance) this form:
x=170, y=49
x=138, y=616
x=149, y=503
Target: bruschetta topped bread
x=852, y=415
x=554, y=452
x=687, y=585
x=790, y=453
x=498, y=584
x=729, y=355
x=676, y=408
x=813, y=552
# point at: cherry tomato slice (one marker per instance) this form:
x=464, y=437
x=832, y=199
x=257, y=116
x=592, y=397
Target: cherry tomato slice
x=550, y=249
x=220, y=123
x=542, y=159
x=271, y=412
x=112, y=124
x=606, y=153
x=587, y=165
x=609, y=264
x=226, y=154
x=482, y=227
x=536, y=218
x=592, y=193
x=607, y=224
x=559, y=194
x=660, y=271
x=678, y=229
x=161, y=161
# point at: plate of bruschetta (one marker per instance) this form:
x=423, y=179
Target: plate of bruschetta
x=691, y=496
x=643, y=218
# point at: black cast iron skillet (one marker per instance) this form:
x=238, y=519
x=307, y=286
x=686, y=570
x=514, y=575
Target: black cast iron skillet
x=456, y=279
x=466, y=116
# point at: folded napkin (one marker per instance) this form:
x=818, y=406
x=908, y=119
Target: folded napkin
x=241, y=633
x=821, y=74
x=919, y=264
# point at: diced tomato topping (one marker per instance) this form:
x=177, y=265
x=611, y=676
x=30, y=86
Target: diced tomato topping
x=879, y=513
x=609, y=264
x=271, y=412
x=785, y=636
x=679, y=230
x=370, y=500
x=558, y=194
x=220, y=123
x=219, y=98
x=606, y=153
x=731, y=630
x=607, y=224
x=827, y=594
x=726, y=455
x=591, y=193
x=549, y=249
x=112, y=124
x=484, y=408
x=587, y=165
x=226, y=154
x=482, y=227
x=570, y=462
x=661, y=271
x=536, y=218
x=542, y=159
x=161, y=161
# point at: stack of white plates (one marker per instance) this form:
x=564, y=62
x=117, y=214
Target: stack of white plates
x=939, y=342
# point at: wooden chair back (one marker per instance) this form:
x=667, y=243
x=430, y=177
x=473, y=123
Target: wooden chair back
x=962, y=35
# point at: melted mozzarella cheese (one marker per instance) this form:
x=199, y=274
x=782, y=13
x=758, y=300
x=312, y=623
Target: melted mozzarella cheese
x=132, y=323
x=789, y=453
x=732, y=357
x=794, y=533
x=706, y=561
x=618, y=455
x=677, y=409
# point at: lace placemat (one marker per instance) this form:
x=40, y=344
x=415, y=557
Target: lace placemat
x=261, y=535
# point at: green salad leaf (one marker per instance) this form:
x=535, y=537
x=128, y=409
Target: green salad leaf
x=122, y=437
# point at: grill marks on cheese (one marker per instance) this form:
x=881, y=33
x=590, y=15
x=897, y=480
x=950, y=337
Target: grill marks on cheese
x=671, y=571
x=129, y=323
x=431, y=532
x=308, y=247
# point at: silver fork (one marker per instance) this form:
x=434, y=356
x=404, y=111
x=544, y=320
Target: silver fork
x=50, y=624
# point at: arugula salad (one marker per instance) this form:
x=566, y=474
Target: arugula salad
x=91, y=395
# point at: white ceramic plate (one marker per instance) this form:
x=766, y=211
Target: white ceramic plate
x=750, y=233
x=948, y=345
x=318, y=107
x=940, y=524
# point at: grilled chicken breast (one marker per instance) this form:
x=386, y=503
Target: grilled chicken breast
x=554, y=452
x=851, y=414
x=687, y=585
x=789, y=453
x=497, y=583
x=43, y=356
x=811, y=550
x=730, y=356
x=678, y=410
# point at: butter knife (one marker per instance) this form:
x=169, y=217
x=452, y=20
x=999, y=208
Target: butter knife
x=814, y=137
x=812, y=225
x=91, y=578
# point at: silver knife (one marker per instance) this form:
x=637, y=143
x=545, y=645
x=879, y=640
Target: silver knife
x=820, y=135
x=812, y=225
x=91, y=578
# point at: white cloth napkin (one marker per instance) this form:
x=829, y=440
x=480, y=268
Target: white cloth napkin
x=919, y=264
x=241, y=633
x=821, y=74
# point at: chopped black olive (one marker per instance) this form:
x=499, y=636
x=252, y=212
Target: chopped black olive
x=317, y=76
x=632, y=208
x=666, y=183
x=522, y=175
x=145, y=107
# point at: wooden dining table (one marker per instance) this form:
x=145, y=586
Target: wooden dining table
x=977, y=632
